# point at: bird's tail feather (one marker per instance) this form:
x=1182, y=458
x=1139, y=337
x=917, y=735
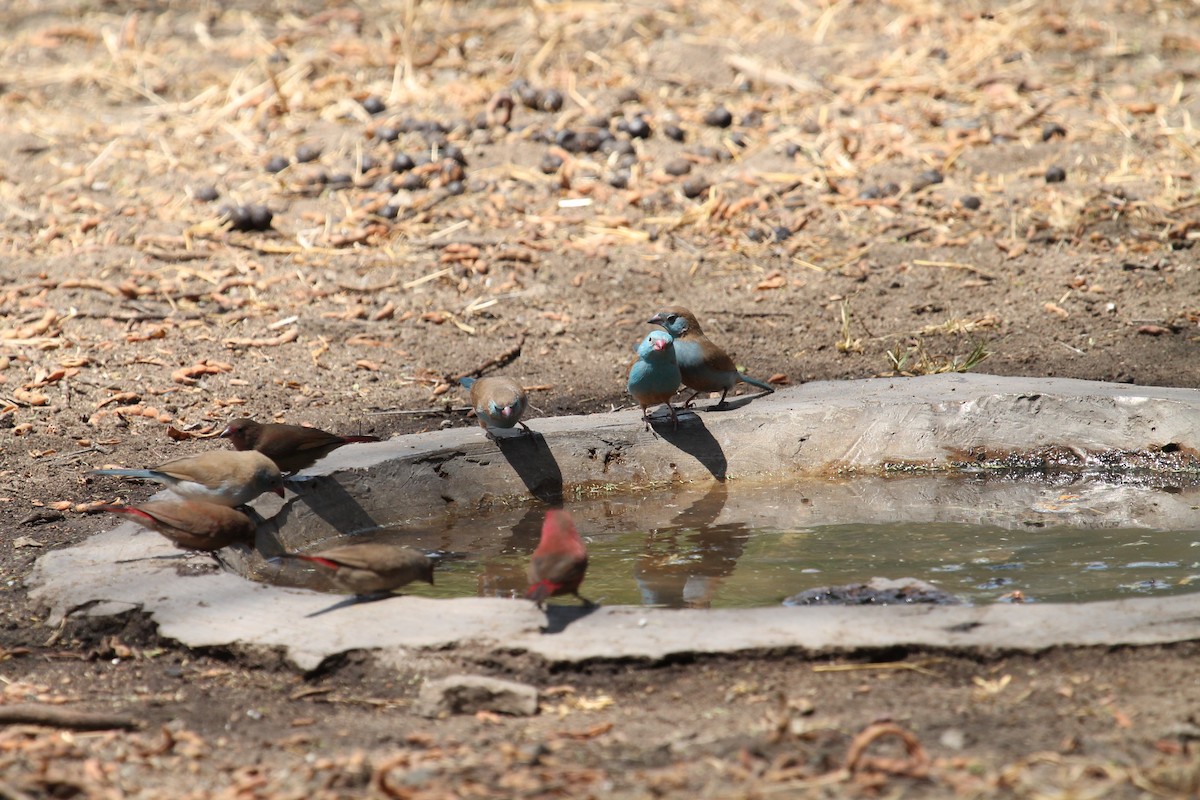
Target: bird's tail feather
x=123, y=473
x=466, y=383
x=756, y=382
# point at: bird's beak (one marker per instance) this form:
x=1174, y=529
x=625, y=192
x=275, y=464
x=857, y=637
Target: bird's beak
x=279, y=491
x=225, y=434
x=657, y=319
x=661, y=344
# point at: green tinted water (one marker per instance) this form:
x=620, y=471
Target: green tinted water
x=983, y=541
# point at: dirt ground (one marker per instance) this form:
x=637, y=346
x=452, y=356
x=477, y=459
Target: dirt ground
x=860, y=189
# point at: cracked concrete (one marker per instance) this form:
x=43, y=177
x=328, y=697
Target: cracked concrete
x=820, y=429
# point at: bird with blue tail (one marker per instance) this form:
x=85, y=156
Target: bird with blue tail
x=654, y=375
x=704, y=366
x=226, y=477
x=499, y=402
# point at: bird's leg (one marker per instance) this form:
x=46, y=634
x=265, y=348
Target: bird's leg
x=721, y=402
x=586, y=603
x=646, y=416
x=674, y=419
x=528, y=430
x=688, y=403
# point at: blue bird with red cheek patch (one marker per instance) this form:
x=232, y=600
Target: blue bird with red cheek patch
x=654, y=375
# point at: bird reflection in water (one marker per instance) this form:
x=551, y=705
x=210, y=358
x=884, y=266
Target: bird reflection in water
x=506, y=577
x=684, y=564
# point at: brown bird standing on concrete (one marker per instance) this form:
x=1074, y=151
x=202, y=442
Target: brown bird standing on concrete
x=560, y=560
x=369, y=568
x=291, y=447
x=499, y=402
x=191, y=524
x=218, y=476
x=704, y=366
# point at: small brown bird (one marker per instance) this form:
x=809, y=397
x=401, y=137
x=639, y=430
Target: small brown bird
x=218, y=476
x=560, y=560
x=191, y=524
x=291, y=447
x=499, y=402
x=704, y=366
x=373, y=567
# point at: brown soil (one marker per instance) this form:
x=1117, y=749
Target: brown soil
x=127, y=311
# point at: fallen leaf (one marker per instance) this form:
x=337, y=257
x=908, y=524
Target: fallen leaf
x=187, y=375
x=1055, y=308
x=588, y=733
x=774, y=280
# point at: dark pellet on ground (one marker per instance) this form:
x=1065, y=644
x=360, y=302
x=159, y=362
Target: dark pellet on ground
x=206, y=194
x=341, y=180
x=1051, y=130
x=939, y=53
x=402, y=162
x=782, y=233
x=583, y=141
x=738, y=139
x=1056, y=175
x=890, y=190
x=374, y=105
x=551, y=100
x=719, y=117
x=387, y=133
x=752, y=119
x=277, y=164
x=871, y=192
x=455, y=188
x=367, y=163
x=529, y=96
x=638, y=128
x=674, y=133
x=791, y=150
x=755, y=235
x=306, y=153
x=618, y=180
x=550, y=163
x=248, y=217
x=927, y=178
x=455, y=152
x=389, y=211
x=971, y=202
x=694, y=187
x=678, y=166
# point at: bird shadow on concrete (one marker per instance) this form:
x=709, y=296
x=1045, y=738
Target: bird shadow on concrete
x=531, y=459
x=328, y=500
x=559, y=617
x=352, y=600
x=731, y=403
x=693, y=438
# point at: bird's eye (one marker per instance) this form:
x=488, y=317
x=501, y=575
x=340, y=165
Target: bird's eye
x=671, y=319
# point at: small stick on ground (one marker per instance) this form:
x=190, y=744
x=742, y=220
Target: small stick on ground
x=504, y=359
x=58, y=717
